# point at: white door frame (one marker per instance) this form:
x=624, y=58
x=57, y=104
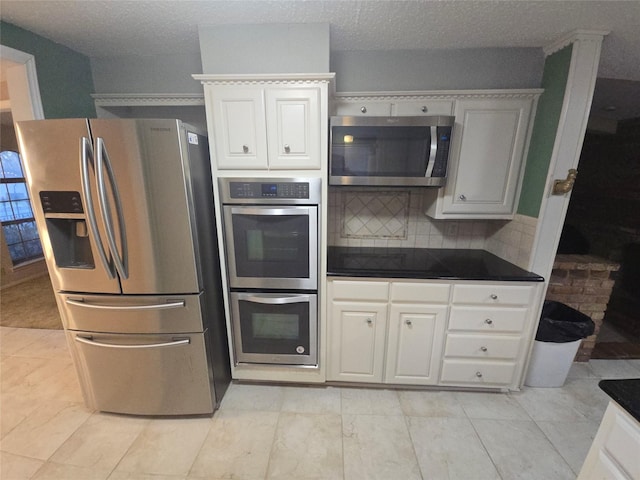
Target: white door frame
x=22, y=82
x=567, y=148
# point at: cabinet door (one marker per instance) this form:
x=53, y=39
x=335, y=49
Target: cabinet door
x=293, y=128
x=239, y=128
x=356, y=342
x=487, y=152
x=415, y=344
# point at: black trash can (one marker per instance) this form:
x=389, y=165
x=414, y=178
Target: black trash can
x=560, y=332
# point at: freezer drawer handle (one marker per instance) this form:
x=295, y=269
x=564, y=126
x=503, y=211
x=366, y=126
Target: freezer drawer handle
x=90, y=341
x=80, y=303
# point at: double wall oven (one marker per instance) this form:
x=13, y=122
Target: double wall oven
x=271, y=240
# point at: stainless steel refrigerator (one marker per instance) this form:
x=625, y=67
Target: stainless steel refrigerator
x=125, y=213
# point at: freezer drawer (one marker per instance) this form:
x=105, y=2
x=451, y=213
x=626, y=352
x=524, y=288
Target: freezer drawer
x=143, y=374
x=132, y=314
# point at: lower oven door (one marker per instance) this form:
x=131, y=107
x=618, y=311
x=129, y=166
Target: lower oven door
x=275, y=328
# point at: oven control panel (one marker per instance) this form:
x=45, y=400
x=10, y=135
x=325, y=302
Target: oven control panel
x=297, y=190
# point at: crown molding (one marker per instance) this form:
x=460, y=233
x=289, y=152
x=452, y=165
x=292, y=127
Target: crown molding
x=572, y=37
x=438, y=94
x=265, y=79
x=147, y=99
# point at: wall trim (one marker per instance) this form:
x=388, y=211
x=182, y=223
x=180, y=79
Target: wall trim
x=147, y=99
x=265, y=78
x=28, y=61
x=438, y=94
x=572, y=37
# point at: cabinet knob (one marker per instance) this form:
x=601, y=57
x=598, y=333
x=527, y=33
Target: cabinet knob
x=363, y=109
x=462, y=197
x=488, y=321
x=424, y=109
x=369, y=321
x=494, y=296
x=484, y=349
x=408, y=322
x=245, y=148
x=287, y=149
x=479, y=374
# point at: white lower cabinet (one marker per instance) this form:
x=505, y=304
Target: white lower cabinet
x=382, y=332
x=463, y=334
x=614, y=451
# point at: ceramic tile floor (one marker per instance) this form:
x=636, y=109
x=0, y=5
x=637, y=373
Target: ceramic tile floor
x=286, y=432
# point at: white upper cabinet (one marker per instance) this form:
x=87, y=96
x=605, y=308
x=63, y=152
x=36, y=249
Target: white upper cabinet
x=271, y=123
x=385, y=106
x=489, y=143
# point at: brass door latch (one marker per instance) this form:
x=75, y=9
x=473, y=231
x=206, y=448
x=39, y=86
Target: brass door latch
x=560, y=187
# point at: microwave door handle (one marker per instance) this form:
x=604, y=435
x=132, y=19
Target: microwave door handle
x=432, y=152
x=86, y=157
x=273, y=300
x=103, y=163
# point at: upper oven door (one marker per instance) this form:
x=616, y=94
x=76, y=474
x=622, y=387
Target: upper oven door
x=272, y=247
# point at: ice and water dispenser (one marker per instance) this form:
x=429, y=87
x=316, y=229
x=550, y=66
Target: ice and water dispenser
x=67, y=227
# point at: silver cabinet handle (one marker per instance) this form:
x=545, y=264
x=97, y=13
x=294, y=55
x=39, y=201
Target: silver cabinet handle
x=159, y=306
x=102, y=162
x=479, y=374
x=245, y=148
x=424, y=109
x=87, y=156
x=273, y=299
x=408, y=322
x=484, y=349
x=363, y=109
x=287, y=148
x=90, y=341
x=462, y=197
x=369, y=321
x=488, y=321
x=494, y=296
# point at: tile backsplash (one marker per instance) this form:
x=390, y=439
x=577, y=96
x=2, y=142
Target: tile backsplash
x=394, y=217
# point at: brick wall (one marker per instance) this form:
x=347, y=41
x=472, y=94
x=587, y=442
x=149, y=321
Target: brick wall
x=583, y=282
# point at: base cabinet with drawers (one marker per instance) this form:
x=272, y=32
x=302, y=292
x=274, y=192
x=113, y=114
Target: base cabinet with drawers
x=458, y=334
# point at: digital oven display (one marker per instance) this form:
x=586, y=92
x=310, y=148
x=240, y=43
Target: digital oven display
x=269, y=190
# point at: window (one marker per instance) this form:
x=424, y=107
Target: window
x=16, y=214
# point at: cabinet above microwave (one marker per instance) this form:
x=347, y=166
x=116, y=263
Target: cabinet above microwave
x=389, y=151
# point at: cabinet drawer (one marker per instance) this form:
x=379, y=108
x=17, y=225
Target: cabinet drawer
x=422, y=107
x=362, y=108
x=419, y=292
x=479, y=319
x=482, y=346
x=623, y=442
x=353, y=290
x=477, y=372
x=492, y=294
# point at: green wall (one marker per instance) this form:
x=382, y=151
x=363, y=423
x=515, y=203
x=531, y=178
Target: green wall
x=64, y=76
x=543, y=136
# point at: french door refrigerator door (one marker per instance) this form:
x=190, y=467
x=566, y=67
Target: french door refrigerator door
x=59, y=164
x=154, y=233
x=143, y=374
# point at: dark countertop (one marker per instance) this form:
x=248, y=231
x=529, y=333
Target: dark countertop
x=423, y=263
x=625, y=392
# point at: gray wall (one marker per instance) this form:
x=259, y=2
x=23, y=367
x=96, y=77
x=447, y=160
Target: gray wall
x=147, y=74
x=437, y=69
x=355, y=70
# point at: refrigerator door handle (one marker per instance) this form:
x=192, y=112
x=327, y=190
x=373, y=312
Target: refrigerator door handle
x=86, y=156
x=159, y=306
x=90, y=341
x=102, y=163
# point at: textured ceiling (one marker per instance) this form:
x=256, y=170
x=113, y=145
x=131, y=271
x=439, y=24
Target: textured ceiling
x=115, y=27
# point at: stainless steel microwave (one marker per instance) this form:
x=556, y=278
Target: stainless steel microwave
x=390, y=151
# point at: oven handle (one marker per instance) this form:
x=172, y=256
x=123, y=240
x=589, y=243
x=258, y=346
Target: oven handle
x=270, y=211
x=274, y=300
